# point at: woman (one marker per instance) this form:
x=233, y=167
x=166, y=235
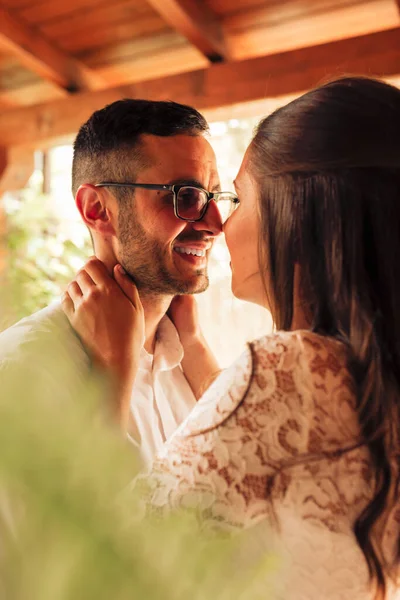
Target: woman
x=302, y=432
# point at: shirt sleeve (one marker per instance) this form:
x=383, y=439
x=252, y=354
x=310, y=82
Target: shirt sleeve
x=43, y=358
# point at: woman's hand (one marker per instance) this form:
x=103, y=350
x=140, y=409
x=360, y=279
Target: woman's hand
x=107, y=314
x=199, y=363
x=184, y=314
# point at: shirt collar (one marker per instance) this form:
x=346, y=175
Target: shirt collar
x=168, y=350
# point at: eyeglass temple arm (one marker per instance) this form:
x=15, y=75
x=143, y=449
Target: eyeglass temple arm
x=149, y=186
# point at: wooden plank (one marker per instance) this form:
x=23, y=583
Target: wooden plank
x=17, y=4
x=224, y=7
x=240, y=9
x=268, y=29
x=196, y=22
x=220, y=85
x=39, y=13
x=180, y=58
x=103, y=16
x=35, y=92
x=95, y=38
x=137, y=49
x=274, y=13
x=36, y=53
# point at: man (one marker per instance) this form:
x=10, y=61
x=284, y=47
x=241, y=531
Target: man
x=146, y=185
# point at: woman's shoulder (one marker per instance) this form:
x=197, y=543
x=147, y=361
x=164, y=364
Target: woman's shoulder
x=306, y=363
x=301, y=344
x=298, y=365
x=222, y=397
x=300, y=351
x=304, y=376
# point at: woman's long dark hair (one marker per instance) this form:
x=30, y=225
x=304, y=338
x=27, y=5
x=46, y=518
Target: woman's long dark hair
x=327, y=167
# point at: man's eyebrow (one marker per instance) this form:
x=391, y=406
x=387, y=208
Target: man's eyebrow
x=194, y=182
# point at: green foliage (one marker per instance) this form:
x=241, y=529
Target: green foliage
x=41, y=257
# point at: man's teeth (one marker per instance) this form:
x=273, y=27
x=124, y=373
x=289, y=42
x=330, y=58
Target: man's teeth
x=193, y=251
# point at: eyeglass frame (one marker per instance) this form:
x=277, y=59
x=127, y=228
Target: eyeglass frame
x=174, y=188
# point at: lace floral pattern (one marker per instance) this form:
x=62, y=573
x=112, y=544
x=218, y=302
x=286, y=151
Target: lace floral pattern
x=275, y=441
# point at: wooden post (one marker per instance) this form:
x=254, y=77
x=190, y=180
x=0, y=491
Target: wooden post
x=16, y=166
x=46, y=169
x=3, y=166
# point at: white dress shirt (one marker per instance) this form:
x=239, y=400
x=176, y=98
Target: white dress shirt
x=161, y=397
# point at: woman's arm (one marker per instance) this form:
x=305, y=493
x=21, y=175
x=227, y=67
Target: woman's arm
x=107, y=314
x=199, y=363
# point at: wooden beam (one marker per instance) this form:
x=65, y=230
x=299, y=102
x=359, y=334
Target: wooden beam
x=40, y=56
x=196, y=22
x=271, y=76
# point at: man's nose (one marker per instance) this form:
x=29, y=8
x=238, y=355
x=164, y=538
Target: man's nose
x=211, y=222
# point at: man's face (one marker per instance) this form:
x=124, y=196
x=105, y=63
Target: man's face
x=153, y=245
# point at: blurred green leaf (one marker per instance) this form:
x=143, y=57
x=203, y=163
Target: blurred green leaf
x=41, y=259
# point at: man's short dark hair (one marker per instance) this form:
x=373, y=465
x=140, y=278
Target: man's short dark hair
x=107, y=146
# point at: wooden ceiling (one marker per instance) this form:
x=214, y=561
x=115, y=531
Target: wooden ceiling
x=62, y=59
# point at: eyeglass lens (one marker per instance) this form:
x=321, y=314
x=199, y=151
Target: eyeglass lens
x=191, y=203
x=225, y=206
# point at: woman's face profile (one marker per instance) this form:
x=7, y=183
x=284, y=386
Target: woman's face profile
x=242, y=238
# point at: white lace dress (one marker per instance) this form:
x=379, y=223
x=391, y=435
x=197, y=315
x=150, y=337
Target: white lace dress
x=273, y=448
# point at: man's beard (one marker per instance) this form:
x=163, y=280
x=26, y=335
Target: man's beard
x=145, y=262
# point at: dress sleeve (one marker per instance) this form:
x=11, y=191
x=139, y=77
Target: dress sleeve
x=247, y=426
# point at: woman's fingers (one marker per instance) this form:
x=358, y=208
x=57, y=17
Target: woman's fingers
x=67, y=305
x=183, y=312
x=107, y=315
x=97, y=271
x=127, y=286
x=75, y=292
x=137, y=301
x=84, y=281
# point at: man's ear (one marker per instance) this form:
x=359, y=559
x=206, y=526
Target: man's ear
x=94, y=206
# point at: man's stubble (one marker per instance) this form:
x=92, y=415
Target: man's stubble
x=144, y=260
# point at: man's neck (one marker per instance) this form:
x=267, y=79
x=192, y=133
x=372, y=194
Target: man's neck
x=154, y=308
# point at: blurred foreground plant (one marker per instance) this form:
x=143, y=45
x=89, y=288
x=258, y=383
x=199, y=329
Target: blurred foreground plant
x=41, y=255
x=68, y=520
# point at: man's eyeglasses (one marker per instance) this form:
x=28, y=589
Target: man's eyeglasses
x=190, y=202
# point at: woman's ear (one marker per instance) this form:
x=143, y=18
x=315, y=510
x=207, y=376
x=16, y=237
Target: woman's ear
x=95, y=208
